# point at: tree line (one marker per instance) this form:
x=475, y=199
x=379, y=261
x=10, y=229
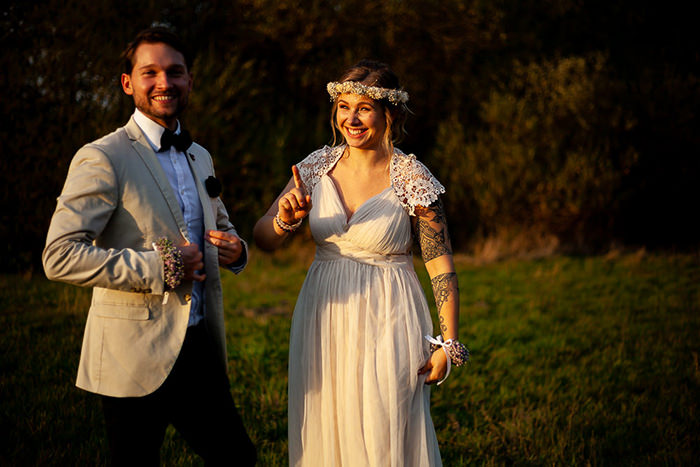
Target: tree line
x=572, y=119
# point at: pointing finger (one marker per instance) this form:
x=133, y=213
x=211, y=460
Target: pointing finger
x=297, y=177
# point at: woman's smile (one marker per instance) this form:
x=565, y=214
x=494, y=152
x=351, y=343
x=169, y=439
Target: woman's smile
x=356, y=132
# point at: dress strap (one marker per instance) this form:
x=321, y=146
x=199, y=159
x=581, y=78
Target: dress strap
x=413, y=183
x=317, y=164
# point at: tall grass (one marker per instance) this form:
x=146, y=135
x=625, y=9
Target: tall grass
x=575, y=360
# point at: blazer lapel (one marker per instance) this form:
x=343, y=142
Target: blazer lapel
x=144, y=150
x=199, y=176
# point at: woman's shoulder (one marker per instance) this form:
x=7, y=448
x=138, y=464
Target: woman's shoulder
x=317, y=164
x=413, y=183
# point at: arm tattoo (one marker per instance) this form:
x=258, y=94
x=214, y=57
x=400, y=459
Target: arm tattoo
x=433, y=243
x=443, y=286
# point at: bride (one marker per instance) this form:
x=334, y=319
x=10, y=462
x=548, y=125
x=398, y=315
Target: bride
x=361, y=358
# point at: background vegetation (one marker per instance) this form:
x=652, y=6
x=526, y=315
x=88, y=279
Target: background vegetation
x=569, y=123
x=575, y=361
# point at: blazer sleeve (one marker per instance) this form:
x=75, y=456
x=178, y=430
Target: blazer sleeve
x=84, y=209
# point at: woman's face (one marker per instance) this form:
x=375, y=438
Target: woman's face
x=361, y=120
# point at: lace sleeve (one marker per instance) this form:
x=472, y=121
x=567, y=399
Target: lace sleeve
x=413, y=183
x=317, y=164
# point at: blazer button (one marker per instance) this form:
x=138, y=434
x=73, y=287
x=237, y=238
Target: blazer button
x=188, y=297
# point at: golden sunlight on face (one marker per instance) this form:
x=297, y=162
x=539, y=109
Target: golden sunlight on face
x=361, y=120
x=159, y=82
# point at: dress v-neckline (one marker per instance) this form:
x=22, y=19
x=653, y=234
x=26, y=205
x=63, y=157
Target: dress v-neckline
x=342, y=205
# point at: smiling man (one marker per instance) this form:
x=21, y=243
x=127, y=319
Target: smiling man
x=140, y=220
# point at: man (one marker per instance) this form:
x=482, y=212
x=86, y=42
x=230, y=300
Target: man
x=140, y=221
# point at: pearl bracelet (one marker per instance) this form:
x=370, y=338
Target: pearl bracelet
x=287, y=227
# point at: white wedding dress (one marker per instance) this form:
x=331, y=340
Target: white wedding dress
x=357, y=334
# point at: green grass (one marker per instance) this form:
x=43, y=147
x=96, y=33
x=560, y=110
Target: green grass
x=575, y=361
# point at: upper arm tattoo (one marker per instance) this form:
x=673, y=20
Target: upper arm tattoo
x=431, y=230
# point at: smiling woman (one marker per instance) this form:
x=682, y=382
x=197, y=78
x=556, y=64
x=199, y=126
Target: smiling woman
x=360, y=120
x=360, y=366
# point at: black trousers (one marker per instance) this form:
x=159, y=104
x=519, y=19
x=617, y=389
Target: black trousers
x=195, y=398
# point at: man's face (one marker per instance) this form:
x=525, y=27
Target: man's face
x=159, y=82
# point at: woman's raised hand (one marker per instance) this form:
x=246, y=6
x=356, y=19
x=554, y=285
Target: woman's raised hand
x=294, y=205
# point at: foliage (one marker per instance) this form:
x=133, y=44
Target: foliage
x=575, y=361
x=575, y=119
x=543, y=156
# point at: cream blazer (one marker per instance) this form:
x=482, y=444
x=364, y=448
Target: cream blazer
x=115, y=203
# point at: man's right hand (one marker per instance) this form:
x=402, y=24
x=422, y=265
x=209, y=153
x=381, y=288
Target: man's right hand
x=192, y=261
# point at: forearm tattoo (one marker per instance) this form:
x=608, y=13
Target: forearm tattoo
x=433, y=243
x=444, y=285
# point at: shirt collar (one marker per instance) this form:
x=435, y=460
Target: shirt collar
x=152, y=130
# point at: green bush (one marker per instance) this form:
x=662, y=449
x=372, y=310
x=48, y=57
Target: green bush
x=544, y=157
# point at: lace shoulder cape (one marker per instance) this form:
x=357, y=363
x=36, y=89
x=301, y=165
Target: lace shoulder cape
x=412, y=182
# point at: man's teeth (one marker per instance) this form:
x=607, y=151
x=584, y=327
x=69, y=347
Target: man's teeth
x=163, y=98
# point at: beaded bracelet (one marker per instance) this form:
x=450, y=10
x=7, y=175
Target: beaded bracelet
x=287, y=227
x=173, y=266
x=456, y=352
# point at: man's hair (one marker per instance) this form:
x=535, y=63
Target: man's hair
x=155, y=35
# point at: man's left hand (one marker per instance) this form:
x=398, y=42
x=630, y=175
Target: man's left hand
x=229, y=245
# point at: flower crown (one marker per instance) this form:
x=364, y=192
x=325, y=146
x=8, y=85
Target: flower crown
x=395, y=96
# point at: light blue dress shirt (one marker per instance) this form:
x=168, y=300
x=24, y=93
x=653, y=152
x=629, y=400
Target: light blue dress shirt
x=177, y=169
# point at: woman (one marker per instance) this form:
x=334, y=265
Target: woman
x=359, y=364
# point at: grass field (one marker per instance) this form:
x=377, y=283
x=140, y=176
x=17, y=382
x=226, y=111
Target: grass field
x=575, y=361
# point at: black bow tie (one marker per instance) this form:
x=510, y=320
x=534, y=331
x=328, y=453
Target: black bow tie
x=181, y=142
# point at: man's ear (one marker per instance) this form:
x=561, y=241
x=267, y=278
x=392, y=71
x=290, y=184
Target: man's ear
x=126, y=84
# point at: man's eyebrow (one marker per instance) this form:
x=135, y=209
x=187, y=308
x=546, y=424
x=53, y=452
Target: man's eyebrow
x=169, y=67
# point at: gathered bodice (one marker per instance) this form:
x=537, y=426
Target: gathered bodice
x=380, y=229
x=377, y=231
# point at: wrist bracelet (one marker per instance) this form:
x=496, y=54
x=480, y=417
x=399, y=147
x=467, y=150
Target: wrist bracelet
x=173, y=266
x=287, y=227
x=456, y=352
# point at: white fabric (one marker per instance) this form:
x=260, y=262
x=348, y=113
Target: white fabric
x=355, y=396
x=412, y=182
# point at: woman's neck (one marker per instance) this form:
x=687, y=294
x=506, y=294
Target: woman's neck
x=366, y=158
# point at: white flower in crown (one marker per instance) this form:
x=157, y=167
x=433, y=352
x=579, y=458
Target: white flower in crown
x=395, y=96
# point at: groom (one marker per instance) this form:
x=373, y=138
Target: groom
x=139, y=220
